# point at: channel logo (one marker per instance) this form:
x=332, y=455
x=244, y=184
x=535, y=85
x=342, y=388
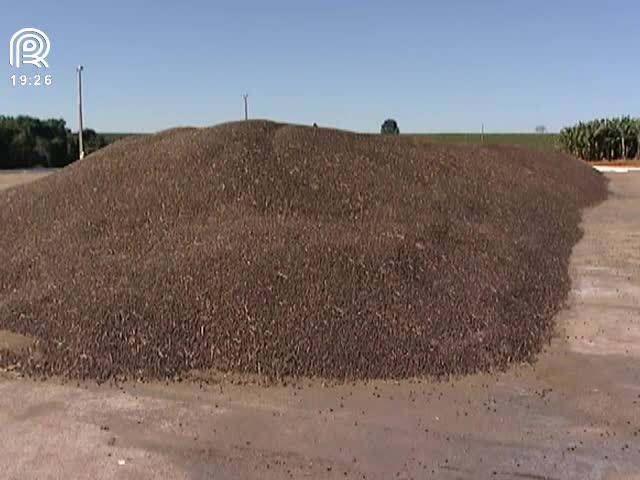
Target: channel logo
x=29, y=46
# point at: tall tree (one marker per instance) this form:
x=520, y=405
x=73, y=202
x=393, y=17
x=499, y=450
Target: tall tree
x=390, y=127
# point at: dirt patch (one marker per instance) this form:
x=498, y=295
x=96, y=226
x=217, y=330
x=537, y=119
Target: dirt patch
x=10, y=178
x=261, y=248
x=617, y=163
x=14, y=342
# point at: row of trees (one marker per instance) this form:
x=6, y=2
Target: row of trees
x=603, y=139
x=27, y=142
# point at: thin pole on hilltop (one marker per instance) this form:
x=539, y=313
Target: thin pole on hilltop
x=246, y=106
x=80, y=119
x=482, y=135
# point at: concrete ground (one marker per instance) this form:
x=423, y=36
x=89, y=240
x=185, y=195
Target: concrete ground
x=575, y=414
x=10, y=178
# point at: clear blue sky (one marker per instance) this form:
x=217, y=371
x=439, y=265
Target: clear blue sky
x=433, y=66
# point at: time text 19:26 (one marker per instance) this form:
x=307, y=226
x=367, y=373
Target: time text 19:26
x=31, y=80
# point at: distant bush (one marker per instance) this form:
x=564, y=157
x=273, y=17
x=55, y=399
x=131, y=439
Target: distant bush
x=603, y=139
x=91, y=141
x=27, y=142
x=390, y=127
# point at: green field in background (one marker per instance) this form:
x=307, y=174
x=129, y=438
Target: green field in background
x=112, y=137
x=547, y=140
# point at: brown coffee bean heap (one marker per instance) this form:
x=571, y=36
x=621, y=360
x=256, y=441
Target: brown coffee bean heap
x=264, y=248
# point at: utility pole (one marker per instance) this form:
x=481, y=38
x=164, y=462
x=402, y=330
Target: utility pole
x=246, y=107
x=80, y=121
x=482, y=135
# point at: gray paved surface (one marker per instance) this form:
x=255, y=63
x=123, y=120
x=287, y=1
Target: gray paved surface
x=575, y=414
